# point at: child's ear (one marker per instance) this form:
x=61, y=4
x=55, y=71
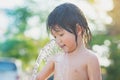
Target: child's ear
x=79, y=29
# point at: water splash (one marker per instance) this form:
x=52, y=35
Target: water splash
x=48, y=50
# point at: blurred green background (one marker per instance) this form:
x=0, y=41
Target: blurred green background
x=23, y=31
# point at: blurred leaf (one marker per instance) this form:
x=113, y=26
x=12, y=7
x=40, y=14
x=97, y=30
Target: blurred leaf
x=91, y=1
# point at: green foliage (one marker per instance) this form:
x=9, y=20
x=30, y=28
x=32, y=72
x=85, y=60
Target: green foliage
x=20, y=49
x=17, y=45
x=91, y=1
x=25, y=49
x=20, y=16
x=99, y=39
x=113, y=70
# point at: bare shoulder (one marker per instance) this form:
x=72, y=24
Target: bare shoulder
x=93, y=66
x=91, y=56
x=51, y=59
x=55, y=58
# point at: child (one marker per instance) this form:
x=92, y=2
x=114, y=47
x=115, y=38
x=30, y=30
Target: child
x=71, y=32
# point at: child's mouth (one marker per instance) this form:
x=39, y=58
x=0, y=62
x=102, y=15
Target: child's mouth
x=62, y=46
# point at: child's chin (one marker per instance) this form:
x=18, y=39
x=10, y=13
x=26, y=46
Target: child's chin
x=66, y=50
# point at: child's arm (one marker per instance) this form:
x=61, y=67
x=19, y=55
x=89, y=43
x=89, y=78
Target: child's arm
x=94, y=69
x=46, y=71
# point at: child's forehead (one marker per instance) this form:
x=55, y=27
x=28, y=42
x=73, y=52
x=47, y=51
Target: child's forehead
x=56, y=28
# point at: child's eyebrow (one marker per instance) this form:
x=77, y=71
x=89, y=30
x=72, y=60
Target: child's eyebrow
x=57, y=29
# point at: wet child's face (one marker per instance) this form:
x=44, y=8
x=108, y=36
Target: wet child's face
x=64, y=39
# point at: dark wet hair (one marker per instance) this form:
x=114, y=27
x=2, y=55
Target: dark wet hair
x=66, y=16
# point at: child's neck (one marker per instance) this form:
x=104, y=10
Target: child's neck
x=79, y=49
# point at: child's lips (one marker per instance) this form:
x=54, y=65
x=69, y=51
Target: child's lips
x=62, y=46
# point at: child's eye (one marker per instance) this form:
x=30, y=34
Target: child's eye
x=54, y=36
x=61, y=34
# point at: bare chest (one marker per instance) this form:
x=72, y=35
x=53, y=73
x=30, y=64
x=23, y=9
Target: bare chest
x=74, y=69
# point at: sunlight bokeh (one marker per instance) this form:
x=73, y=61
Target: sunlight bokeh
x=37, y=30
